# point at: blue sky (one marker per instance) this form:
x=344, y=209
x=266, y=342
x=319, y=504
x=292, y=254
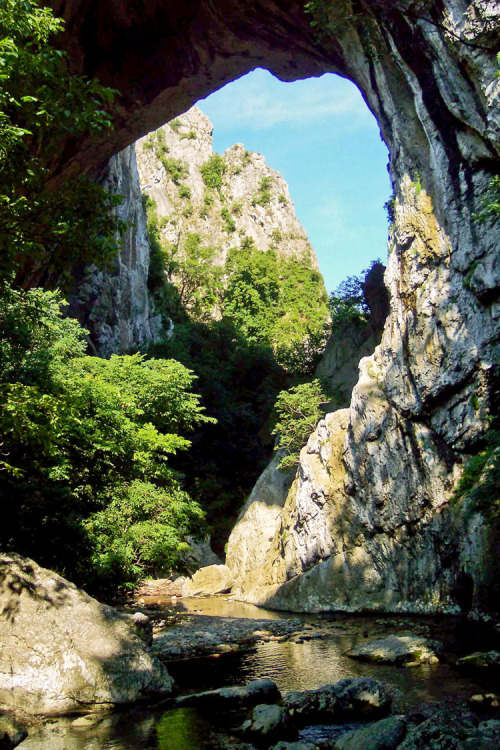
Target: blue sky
x=325, y=142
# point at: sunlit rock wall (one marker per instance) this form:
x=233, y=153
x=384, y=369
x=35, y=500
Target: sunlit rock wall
x=387, y=536
x=113, y=303
x=189, y=142
x=428, y=73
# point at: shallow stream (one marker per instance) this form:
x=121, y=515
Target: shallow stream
x=291, y=664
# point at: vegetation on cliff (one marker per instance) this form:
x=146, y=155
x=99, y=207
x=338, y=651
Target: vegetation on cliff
x=261, y=344
x=298, y=412
x=86, y=447
x=249, y=316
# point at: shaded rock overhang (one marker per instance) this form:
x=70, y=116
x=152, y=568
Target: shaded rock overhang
x=163, y=56
x=421, y=69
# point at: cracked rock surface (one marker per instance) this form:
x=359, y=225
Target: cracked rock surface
x=62, y=651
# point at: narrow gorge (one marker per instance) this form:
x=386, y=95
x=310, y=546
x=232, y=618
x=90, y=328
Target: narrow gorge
x=378, y=480
x=143, y=405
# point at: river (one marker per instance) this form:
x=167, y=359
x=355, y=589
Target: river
x=292, y=665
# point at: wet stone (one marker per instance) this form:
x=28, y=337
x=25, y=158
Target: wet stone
x=403, y=649
x=267, y=724
x=197, y=635
x=350, y=698
x=386, y=734
x=483, y=662
x=257, y=691
x=447, y=731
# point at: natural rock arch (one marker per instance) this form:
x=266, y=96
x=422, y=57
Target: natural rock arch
x=427, y=72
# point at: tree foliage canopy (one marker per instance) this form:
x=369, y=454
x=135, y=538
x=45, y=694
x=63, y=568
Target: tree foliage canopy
x=87, y=444
x=43, y=232
x=84, y=439
x=298, y=412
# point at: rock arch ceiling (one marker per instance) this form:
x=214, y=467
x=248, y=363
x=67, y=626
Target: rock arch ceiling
x=427, y=70
x=426, y=88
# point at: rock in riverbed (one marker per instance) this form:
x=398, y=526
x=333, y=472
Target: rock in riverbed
x=447, y=731
x=214, y=579
x=199, y=635
x=403, y=649
x=267, y=724
x=229, y=698
x=346, y=700
x=386, y=734
x=61, y=651
x=481, y=662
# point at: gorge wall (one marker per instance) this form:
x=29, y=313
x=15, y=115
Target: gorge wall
x=224, y=217
x=113, y=304
x=368, y=521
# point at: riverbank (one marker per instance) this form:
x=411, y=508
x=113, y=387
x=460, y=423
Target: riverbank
x=204, y=651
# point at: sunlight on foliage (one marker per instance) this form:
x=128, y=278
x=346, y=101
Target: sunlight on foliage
x=78, y=433
x=298, y=412
x=41, y=105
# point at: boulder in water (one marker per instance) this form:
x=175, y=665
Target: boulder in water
x=386, y=734
x=480, y=662
x=348, y=699
x=257, y=691
x=267, y=724
x=398, y=649
x=214, y=579
x=61, y=650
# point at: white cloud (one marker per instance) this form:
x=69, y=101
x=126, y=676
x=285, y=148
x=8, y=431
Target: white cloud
x=259, y=101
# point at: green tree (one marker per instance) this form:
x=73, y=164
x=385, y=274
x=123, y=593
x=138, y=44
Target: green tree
x=141, y=531
x=213, y=172
x=347, y=302
x=298, y=412
x=79, y=432
x=490, y=208
x=43, y=232
x=252, y=292
x=238, y=381
x=277, y=302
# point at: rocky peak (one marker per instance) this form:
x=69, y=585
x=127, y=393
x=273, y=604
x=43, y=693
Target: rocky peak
x=247, y=200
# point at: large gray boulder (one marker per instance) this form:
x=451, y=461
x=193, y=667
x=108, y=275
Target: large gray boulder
x=447, y=731
x=398, y=649
x=61, y=650
x=267, y=724
x=358, y=698
x=386, y=734
x=214, y=579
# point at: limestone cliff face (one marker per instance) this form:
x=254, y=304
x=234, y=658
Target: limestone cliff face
x=354, y=339
x=428, y=73
x=223, y=218
x=113, y=304
x=386, y=536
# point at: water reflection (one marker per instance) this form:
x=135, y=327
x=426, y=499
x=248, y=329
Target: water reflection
x=215, y=606
x=317, y=662
x=183, y=729
x=132, y=730
x=293, y=666
x=176, y=729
